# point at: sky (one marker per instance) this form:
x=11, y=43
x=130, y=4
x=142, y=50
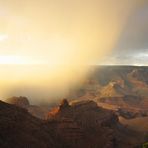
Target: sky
x=132, y=45
x=34, y=31
x=47, y=46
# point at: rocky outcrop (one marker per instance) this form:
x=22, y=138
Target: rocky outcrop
x=23, y=102
x=118, y=87
x=84, y=124
x=126, y=106
x=19, y=129
x=139, y=74
x=19, y=101
x=76, y=125
x=38, y=111
x=64, y=104
x=85, y=113
x=113, y=89
x=74, y=122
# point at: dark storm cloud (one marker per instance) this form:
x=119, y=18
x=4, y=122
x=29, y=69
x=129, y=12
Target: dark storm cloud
x=132, y=46
x=135, y=34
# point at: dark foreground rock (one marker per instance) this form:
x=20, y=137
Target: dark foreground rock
x=19, y=129
x=81, y=124
x=84, y=124
x=23, y=102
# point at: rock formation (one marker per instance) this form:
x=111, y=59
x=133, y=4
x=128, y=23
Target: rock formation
x=19, y=129
x=84, y=124
x=19, y=101
x=71, y=125
x=118, y=87
x=23, y=102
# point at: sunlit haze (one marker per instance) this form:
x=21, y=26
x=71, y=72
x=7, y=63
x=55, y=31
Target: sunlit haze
x=46, y=46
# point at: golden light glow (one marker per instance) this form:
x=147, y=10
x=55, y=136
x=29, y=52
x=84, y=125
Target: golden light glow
x=15, y=60
x=50, y=43
x=3, y=37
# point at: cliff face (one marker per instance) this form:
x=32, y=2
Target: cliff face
x=37, y=111
x=19, y=101
x=114, y=87
x=85, y=113
x=84, y=124
x=80, y=122
x=76, y=125
x=19, y=129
